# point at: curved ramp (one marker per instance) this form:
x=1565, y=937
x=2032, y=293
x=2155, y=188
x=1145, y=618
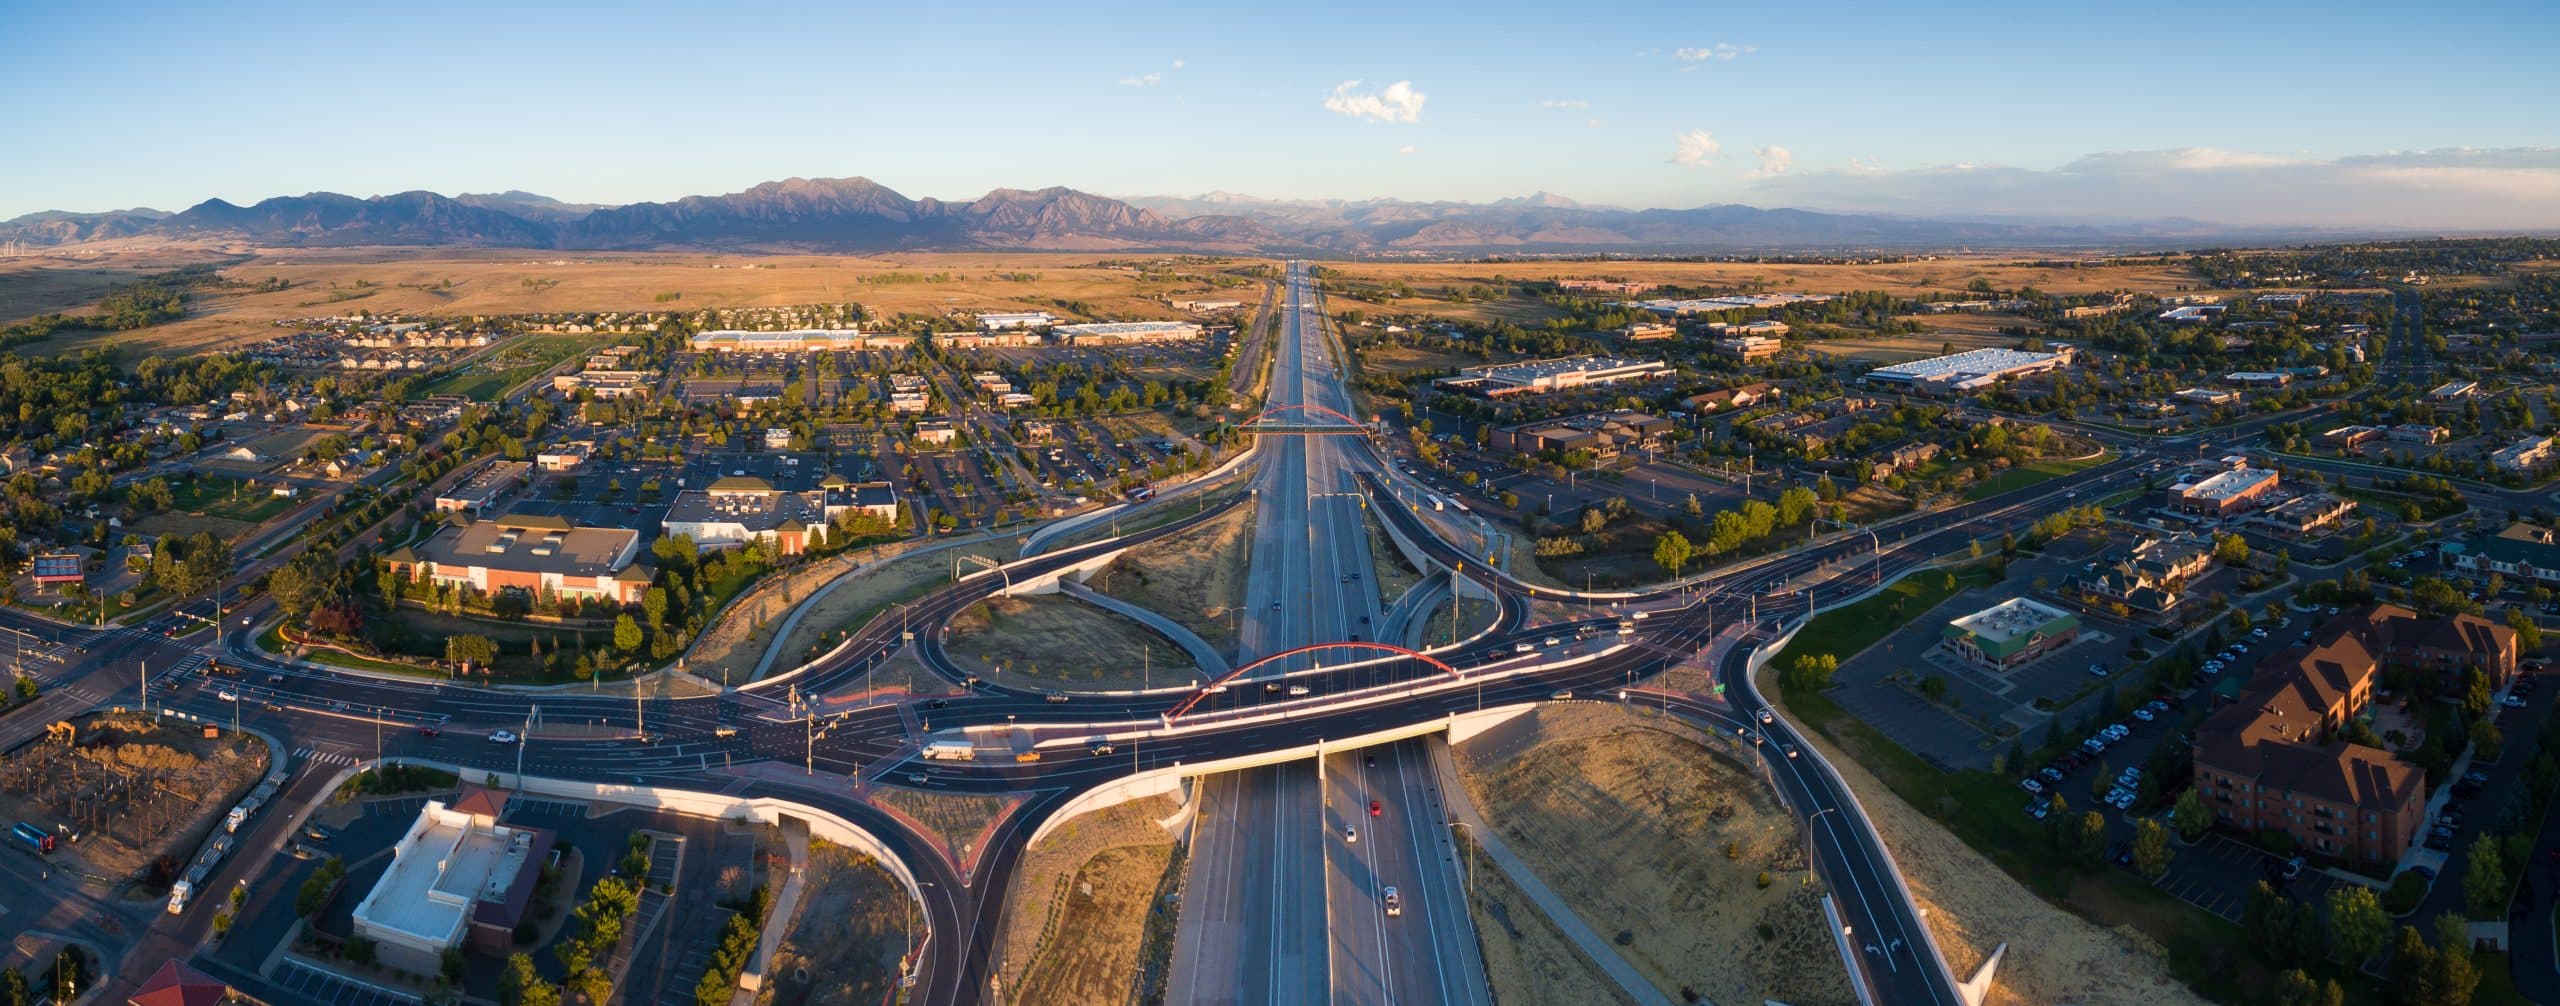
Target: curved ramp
x=1212, y=663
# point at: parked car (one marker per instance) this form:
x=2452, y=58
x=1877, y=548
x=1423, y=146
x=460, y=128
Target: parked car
x=2031, y=785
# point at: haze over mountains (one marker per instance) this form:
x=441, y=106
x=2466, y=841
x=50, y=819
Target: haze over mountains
x=859, y=215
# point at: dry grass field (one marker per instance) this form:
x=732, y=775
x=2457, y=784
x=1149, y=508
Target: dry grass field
x=1527, y=960
x=1195, y=578
x=875, y=588
x=1947, y=274
x=1901, y=348
x=1055, y=641
x=952, y=821
x=1077, y=918
x=1681, y=857
x=517, y=281
x=854, y=924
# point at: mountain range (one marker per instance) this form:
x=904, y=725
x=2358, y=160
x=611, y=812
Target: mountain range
x=860, y=215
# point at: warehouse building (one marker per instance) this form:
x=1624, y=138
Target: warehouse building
x=1545, y=376
x=1968, y=371
x=1117, y=333
x=456, y=875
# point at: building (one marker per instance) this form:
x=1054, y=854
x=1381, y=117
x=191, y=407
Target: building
x=937, y=432
x=1731, y=398
x=2274, y=760
x=483, y=488
x=2305, y=515
x=909, y=401
x=2258, y=378
x=1750, y=348
x=2225, y=492
x=1206, y=305
x=2150, y=576
x=991, y=382
x=1111, y=333
x=1036, y=430
x=2523, y=455
x=2453, y=391
x=1648, y=331
x=2521, y=551
x=2010, y=634
x=568, y=457
x=995, y=321
x=1766, y=326
x=604, y=384
x=1966, y=371
x=1545, y=376
x=777, y=438
x=538, y=555
x=2349, y=437
x=798, y=340
x=2209, y=396
x=457, y=875
x=58, y=569
x=2418, y=433
x=871, y=499
x=1621, y=287
x=1604, y=434
x=176, y=984
x=1905, y=458
x=1737, y=302
x=742, y=508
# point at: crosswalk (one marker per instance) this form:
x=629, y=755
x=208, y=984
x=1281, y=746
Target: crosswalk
x=318, y=756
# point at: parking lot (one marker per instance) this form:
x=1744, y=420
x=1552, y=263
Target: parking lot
x=2218, y=872
x=323, y=987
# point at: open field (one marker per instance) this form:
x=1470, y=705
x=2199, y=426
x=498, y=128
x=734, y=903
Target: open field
x=2031, y=473
x=1680, y=856
x=854, y=925
x=1391, y=359
x=738, y=640
x=512, y=364
x=1882, y=350
x=176, y=783
x=1527, y=960
x=1054, y=640
x=877, y=587
x=1078, y=914
x=227, y=498
x=165, y=524
x=1945, y=274
x=1195, y=578
x=524, y=281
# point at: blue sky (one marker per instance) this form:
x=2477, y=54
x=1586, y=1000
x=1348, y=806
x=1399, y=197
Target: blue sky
x=2442, y=115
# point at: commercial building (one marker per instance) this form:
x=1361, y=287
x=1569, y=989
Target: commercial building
x=1000, y=320
x=56, y=569
x=605, y=384
x=1648, y=331
x=2307, y=514
x=909, y=401
x=1544, y=376
x=1205, y=305
x=2274, y=760
x=176, y=984
x=2349, y=437
x=1731, y=398
x=2419, y=433
x=2524, y=455
x=539, y=555
x=1750, y=348
x=456, y=875
x=2209, y=396
x=1604, y=434
x=738, y=509
x=2258, y=378
x=1737, y=302
x=798, y=340
x=483, y=488
x=1126, y=332
x=2225, y=492
x=2453, y=391
x=568, y=457
x=2150, y=576
x=937, y=432
x=2010, y=634
x=2521, y=552
x=1967, y=371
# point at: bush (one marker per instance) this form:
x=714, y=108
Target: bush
x=2407, y=890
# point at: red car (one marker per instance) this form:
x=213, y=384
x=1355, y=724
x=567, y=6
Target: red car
x=1375, y=809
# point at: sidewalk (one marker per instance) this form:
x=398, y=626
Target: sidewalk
x=786, y=908
x=1454, y=793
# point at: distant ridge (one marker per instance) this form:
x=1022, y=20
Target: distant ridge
x=860, y=215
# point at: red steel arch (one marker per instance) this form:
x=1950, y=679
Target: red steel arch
x=1302, y=407
x=1185, y=705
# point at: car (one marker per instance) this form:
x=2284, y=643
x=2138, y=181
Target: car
x=2145, y=715
x=2113, y=794
x=1297, y=690
x=1275, y=605
x=2437, y=843
x=2050, y=773
x=1377, y=809
x=1790, y=749
x=430, y=730
x=1364, y=619
x=1767, y=716
x=1054, y=696
x=501, y=737
x=1395, y=903
x=318, y=833
x=2512, y=701
x=1355, y=575
x=1350, y=835
x=2475, y=778
x=1103, y=748
x=275, y=679
x=1372, y=761
x=2093, y=745
x=2038, y=809
x=2031, y=785
x=271, y=706
x=227, y=695
x=1553, y=641
x=2097, y=671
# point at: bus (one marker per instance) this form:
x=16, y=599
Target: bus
x=1142, y=494
x=1437, y=503
x=1460, y=504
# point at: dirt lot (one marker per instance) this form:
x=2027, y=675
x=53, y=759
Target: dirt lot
x=1478, y=614
x=1056, y=640
x=1663, y=847
x=952, y=820
x=136, y=788
x=1195, y=578
x=1527, y=960
x=518, y=281
x=853, y=927
x=1972, y=907
x=874, y=589
x=1079, y=907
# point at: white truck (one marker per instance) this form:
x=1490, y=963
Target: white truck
x=951, y=751
x=178, y=894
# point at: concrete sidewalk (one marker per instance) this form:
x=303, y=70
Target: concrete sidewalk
x=786, y=906
x=1454, y=793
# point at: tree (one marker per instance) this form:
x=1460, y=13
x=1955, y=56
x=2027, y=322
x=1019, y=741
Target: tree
x=654, y=605
x=521, y=985
x=2528, y=634
x=2190, y=815
x=2093, y=839
x=471, y=651
x=2232, y=549
x=2150, y=848
x=14, y=990
x=2413, y=969
x=2357, y=924
x=2476, y=695
x=2487, y=743
x=1672, y=551
x=2484, y=882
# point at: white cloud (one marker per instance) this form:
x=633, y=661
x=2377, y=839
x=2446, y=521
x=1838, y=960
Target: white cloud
x=1407, y=149
x=1774, y=160
x=2457, y=188
x=1397, y=102
x=1142, y=80
x=1695, y=148
x=1721, y=52
x=1564, y=103
x=1177, y=64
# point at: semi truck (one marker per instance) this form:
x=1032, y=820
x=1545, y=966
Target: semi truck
x=33, y=839
x=951, y=751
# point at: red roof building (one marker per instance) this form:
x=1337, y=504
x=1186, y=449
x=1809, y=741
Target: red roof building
x=176, y=984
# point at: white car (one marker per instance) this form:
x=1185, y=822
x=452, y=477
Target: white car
x=1395, y=904
x=2031, y=785
x=501, y=737
x=1350, y=835
x=2144, y=715
x=227, y=695
x=1767, y=716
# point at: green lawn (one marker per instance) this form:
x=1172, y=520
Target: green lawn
x=1846, y=631
x=225, y=497
x=511, y=365
x=2031, y=473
